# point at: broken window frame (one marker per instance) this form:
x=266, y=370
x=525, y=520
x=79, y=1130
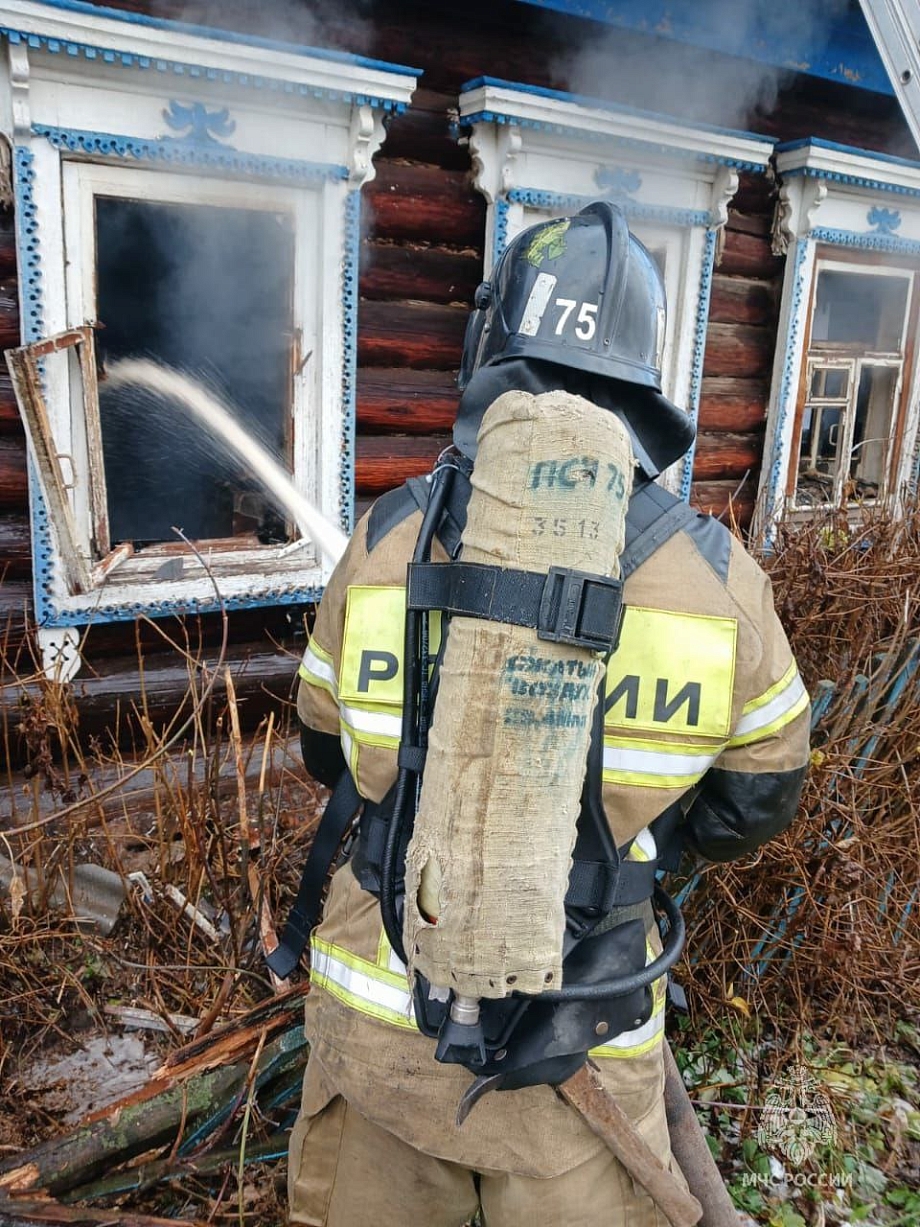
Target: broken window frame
x=848, y=208
x=134, y=93
x=855, y=357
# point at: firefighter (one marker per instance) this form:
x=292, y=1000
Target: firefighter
x=704, y=745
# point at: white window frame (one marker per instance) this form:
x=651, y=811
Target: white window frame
x=155, y=110
x=540, y=153
x=835, y=201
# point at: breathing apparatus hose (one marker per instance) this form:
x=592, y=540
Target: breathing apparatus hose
x=415, y=713
x=621, y=985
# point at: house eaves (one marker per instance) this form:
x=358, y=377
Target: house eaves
x=805, y=38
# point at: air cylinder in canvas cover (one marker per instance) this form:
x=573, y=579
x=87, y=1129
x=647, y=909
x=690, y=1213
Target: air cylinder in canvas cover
x=491, y=850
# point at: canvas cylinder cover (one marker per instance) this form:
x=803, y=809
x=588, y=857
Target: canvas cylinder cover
x=490, y=855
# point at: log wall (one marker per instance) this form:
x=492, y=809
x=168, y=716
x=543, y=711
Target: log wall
x=421, y=259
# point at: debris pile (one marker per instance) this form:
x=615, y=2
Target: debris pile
x=820, y=928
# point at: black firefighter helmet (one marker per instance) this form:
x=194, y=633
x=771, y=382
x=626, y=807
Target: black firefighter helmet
x=577, y=303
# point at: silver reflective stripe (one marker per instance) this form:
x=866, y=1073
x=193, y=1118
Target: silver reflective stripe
x=374, y=722
x=646, y=1035
x=770, y=713
x=361, y=986
x=315, y=666
x=643, y=847
x=656, y=762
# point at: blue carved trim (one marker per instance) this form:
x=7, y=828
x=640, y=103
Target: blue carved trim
x=615, y=182
x=870, y=240
x=665, y=214
x=699, y=349
x=55, y=615
x=29, y=254
x=184, y=152
x=349, y=357
x=225, y=36
x=28, y=250
x=194, y=122
x=627, y=142
x=500, y=234
x=872, y=185
x=180, y=68
x=884, y=221
x=776, y=466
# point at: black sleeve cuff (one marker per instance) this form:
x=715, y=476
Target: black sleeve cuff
x=322, y=755
x=737, y=811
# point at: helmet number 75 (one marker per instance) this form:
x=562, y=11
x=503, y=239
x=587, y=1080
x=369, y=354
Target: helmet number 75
x=585, y=321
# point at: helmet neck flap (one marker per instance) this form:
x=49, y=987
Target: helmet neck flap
x=660, y=432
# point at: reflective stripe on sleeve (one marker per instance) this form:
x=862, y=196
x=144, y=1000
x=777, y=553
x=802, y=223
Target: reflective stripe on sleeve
x=655, y=764
x=772, y=710
x=378, y=728
x=316, y=669
x=367, y=988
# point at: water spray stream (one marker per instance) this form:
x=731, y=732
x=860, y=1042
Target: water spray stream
x=164, y=381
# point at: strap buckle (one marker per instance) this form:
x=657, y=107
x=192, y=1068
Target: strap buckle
x=581, y=609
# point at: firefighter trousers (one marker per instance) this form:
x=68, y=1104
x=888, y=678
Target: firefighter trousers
x=345, y=1171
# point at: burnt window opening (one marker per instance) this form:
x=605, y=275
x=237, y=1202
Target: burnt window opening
x=209, y=290
x=850, y=413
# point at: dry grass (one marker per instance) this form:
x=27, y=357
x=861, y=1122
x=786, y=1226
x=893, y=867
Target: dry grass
x=170, y=811
x=820, y=929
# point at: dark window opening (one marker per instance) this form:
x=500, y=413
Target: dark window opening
x=208, y=290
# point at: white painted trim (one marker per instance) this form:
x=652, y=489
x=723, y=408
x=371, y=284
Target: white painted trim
x=296, y=66
x=615, y=123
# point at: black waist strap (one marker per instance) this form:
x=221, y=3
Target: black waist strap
x=341, y=808
x=563, y=606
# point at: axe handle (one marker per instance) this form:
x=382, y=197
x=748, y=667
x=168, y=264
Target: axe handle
x=602, y=1114
x=689, y=1148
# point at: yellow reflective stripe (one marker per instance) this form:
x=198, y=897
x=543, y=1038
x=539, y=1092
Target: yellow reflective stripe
x=643, y=847
x=363, y=731
x=643, y=1038
x=772, y=710
x=362, y=985
x=656, y=764
x=316, y=668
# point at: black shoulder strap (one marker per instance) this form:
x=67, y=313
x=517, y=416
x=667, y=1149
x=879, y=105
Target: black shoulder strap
x=340, y=810
x=654, y=516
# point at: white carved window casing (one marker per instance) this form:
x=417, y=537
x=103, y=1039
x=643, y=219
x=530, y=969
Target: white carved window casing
x=195, y=195
x=540, y=153
x=842, y=422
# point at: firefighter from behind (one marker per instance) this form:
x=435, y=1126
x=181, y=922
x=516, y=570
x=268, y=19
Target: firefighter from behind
x=696, y=737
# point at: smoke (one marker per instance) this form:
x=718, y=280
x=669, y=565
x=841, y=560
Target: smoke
x=343, y=24
x=729, y=87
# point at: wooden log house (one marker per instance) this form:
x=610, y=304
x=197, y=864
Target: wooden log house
x=767, y=161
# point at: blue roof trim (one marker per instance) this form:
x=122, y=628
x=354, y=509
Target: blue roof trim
x=889, y=158
x=601, y=104
x=847, y=55
x=86, y=9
